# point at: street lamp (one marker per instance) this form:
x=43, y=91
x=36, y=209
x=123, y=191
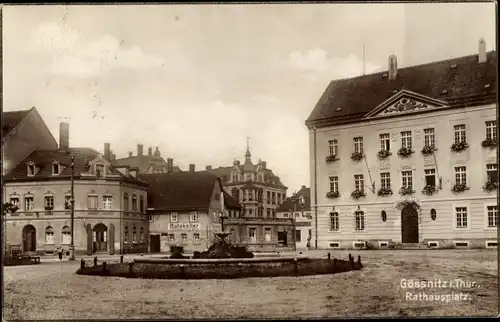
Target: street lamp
x=295, y=198
x=72, y=200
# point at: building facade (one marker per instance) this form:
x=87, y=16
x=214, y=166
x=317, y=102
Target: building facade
x=109, y=208
x=153, y=162
x=407, y=156
x=22, y=133
x=298, y=208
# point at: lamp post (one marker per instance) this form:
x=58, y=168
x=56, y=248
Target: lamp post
x=72, y=200
x=295, y=198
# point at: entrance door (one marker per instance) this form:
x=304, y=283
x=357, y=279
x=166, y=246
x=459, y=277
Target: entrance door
x=409, y=225
x=282, y=238
x=100, y=233
x=29, y=238
x=154, y=241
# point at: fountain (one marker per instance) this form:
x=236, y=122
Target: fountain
x=222, y=249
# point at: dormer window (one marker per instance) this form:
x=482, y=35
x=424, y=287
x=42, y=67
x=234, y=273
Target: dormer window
x=56, y=168
x=99, y=170
x=31, y=169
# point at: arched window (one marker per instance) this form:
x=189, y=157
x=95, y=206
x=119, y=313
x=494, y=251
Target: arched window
x=141, y=204
x=141, y=234
x=125, y=201
x=49, y=235
x=125, y=235
x=134, y=203
x=134, y=234
x=66, y=235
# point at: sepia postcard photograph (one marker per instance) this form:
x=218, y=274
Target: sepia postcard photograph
x=237, y=161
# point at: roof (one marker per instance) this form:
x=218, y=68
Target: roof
x=143, y=162
x=230, y=202
x=291, y=203
x=11, y=119
x=180, y=191
x=225, y=174
x=459, y=82
x=44, y=159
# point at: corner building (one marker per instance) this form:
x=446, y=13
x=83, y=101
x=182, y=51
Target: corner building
x=407, y=157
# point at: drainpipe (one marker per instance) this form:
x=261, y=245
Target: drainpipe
x=315, y=193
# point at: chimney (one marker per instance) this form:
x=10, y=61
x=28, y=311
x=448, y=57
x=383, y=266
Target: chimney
x=130, y=154
x=263, y=164
x=303, y=187
x=63, y=136
x=150, y=152
x=170, y=165
x=208, y=167
x=140, y=149
x=107, y=151
x=191, y=168
x=482, y=51
x=113, y=157
x=393, y=67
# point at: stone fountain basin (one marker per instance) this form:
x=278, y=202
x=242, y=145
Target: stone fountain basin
x=222, y=268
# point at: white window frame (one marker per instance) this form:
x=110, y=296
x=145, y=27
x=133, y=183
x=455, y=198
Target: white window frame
x=171, y=238
x=406, y=140
x=460, y=172
x=49, y=236
x=65, y=236
x=174, y=217
x=107, y=202
x=334, y=222
x=430, y=172
x=94, y=196
x=333, y=147
x=266, y=239
x=359, y=182
x=407, y=180
x=486, y=215
x=385, y=142
x=468, y=216
x=491, y=167
x=47, y=203
x=32, y=204
x=334, y=183
x=486, y=242
x=385, y=180
x=193, y=216
x=459, y=133
x=491, y=130
x=358, y=144
x=433, y=242
x=31, y=169
x=430, y=137
x=56, y=165
x=196, y=238
x=252, y=239
x=134, y=203
x=15, y=203
x=356, y=222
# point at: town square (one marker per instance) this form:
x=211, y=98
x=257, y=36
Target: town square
x=243, y=161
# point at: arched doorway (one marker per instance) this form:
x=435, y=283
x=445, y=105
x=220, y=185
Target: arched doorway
x=409, y=224
x=100, y=238
x=29, y=238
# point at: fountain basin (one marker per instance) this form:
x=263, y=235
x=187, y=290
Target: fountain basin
x=222, y=268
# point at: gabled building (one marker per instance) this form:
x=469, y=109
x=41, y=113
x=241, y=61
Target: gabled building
x=298, y=208
x=109, y=208
x=408, y=156
x=186, y=209
x=22, y=133
x=153, y=162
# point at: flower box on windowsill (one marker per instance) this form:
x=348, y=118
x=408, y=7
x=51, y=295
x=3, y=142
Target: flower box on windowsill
x=356, y=194
x=382, y=154
x=459, y=147
x=331, y=158
x=405, y=152
x=332, y=194
x=428, y=149
x=459, y=187
x=490, y=186
x=489, y=143
x=382, y=192
x=429, y=190
x=357, y=156
x=405, y=191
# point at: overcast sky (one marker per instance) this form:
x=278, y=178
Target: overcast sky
x=197, y=80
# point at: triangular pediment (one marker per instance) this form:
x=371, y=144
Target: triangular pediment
x=405, y=102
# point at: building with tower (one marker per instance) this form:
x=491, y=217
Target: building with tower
x=407, y=157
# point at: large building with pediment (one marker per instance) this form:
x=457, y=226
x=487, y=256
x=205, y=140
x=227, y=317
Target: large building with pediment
x=407, y=157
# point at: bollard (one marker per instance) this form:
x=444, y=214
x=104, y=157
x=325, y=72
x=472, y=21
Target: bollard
x=103, y=266
x=296, y=266
x=182, y=269
x=121, y=259
x=350, y=258
x=359, y=259
x=239, y=269
x=82, y=265
x=95, y=261
x=130, y=268
x=351, y=261
x=329, y=256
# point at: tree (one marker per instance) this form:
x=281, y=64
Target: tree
x=9, y=208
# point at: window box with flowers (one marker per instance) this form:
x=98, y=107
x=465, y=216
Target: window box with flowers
x=490, y=186
x=357, y=156
x=404, y=191
x=428, y=149
x=429, y=190
x=382, y=192
x=489, y=143
x=356, y=194
x=460, y=146
x=331, y=158
x=405, y=152
x=383, y=154
x=459, y=187
x=332, y=194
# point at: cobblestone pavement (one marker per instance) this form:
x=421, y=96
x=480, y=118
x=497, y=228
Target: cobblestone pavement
x=382, y=288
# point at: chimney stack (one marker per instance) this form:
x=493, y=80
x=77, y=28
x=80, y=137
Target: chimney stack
x=263, y=164
x=482, y=51
x=303, y=187
x=130, y=154
x=170, y=165
x=107, y=151
x=393, y=67
x=208, y=167
x=150, y=152
x=191, y=167
x=63, y=136
x=140, y=149
x=113, y=157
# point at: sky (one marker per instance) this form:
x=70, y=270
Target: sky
x=198, y=80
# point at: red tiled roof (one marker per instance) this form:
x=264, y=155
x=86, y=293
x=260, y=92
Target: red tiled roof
x=291, y=203
x=44, y=158
x=458, y=81
x=11, y=119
